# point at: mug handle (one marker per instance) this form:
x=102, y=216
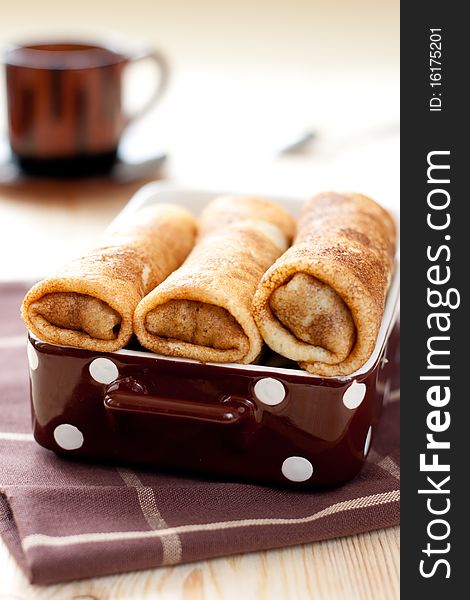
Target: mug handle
x=160, y=61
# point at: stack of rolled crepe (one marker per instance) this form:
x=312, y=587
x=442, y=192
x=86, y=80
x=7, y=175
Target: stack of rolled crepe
x=203, y=310
x=321, y=303
x=90, y=303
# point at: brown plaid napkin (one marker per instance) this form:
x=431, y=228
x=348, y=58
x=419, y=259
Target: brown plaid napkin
x=66, y=520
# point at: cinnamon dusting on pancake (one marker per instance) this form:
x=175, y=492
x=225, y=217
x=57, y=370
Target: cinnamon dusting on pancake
x=203, y=310
x=322, y=301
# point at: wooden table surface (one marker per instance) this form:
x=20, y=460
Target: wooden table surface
x=360, y=567
x=238, y=92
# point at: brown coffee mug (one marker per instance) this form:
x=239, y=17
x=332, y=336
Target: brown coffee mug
x=65, y=112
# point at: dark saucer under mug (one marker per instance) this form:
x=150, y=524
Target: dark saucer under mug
x=82, y=165
x=117, y=166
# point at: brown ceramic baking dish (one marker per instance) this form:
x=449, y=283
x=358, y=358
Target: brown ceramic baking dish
x=268, y=422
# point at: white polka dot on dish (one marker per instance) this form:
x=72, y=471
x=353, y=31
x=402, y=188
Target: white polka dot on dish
x=354, y=395
x=297, y=468
x=33, y=358
x=103, y=370
x=367, y=442
x=68, y=437
x=270, y=391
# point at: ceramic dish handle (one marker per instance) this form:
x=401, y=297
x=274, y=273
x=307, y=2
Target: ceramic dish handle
x=231, y=412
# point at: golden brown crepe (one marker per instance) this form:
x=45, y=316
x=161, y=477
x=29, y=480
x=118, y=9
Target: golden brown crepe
x=321, y=303
x=90, y=303
x=203, y=310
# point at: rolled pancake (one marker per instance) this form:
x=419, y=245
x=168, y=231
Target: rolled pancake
x=321, y=303
x=90, y=303
x=203, y=310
